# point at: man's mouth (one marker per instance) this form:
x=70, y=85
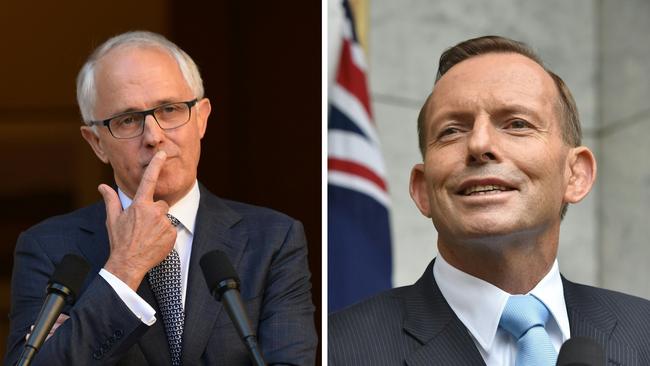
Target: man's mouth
x=485, y=189
x=146, y=164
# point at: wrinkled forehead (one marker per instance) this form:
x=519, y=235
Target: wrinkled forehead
x=491, y=80
x=133, y=53
x=135, y=77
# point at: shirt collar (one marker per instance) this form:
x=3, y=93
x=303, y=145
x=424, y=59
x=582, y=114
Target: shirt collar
x=551, y=292
x=479, y=304
x=184, y=210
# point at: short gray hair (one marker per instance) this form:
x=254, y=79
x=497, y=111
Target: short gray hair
x=86, y=88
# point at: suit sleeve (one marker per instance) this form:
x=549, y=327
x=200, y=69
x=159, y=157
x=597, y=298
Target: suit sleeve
x=286, y=328
x=100, y=330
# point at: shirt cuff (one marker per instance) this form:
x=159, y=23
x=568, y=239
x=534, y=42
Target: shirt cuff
x=131, y=299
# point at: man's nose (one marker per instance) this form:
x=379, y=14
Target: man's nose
x=153, y=134
x=482, y=143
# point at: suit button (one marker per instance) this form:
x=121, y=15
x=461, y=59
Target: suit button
x=97, y=355
x=118, y=334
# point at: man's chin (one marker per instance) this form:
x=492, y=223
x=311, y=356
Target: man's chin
x=171, y=192
x=486, y=230
x=163, y=193
x=489, y=227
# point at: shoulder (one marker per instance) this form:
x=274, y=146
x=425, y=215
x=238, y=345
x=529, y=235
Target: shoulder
x=370, y=332
x=256, y=220
x=628, y=315
x=89, y=218
x=240, y=210
x=381, y=315
x=258, y=214
x=623, y=305
x=386, y=306
x=51, y=238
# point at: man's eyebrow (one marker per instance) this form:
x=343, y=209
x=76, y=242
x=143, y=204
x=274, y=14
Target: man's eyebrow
x=456, y=115
x=515, y=109
x=135, y=110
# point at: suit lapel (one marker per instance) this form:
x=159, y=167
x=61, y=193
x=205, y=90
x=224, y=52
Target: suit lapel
x=430, y=320
x=97, y=249
x=589, y=318
x=215, y=229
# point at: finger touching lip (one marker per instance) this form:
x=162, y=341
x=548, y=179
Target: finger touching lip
x=148, y=161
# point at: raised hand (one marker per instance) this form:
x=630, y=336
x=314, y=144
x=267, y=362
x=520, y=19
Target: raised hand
x=140, y=236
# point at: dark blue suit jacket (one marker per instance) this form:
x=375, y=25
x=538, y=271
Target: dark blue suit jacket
x=414, y=325
x=267, y=249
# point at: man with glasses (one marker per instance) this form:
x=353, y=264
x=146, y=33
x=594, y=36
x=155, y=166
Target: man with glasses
x=146, y=301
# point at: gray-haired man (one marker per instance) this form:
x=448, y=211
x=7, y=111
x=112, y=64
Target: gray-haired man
x=141, y=98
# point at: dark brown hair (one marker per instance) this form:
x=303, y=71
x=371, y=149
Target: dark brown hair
x=571, y=130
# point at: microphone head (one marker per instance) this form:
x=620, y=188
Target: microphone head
x=581, y=351
x=219, y=273
x=69, y=273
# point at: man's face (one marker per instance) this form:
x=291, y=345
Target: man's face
x=138, y=78
x=495, y=163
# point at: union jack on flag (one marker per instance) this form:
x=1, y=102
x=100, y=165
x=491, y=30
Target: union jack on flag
x=359, y=246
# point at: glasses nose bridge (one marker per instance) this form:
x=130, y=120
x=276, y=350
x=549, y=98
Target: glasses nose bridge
x=152, y=113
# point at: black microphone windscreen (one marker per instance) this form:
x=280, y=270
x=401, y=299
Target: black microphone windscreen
x=71, y=272
x=581, y=351
x=217, y=268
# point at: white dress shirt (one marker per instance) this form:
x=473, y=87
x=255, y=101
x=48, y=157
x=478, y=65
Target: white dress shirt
x=185, y=211
x=479, y=304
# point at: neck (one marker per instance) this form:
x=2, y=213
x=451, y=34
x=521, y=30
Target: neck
x=515, y=264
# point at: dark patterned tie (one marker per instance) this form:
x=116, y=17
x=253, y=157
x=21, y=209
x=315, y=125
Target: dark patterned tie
x=165, y=281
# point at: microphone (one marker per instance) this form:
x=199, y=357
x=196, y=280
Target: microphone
x=581, y=351
x=223, y=283
x=62, y=288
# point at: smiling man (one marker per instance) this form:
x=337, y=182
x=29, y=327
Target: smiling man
x=502, y=159
x=146, y=301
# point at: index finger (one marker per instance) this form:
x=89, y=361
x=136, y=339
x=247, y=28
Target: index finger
x=149, y=180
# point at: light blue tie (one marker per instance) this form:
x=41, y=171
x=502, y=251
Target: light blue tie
x=525, y=317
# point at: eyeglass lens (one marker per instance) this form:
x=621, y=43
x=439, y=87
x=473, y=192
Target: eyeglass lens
x=132, y=124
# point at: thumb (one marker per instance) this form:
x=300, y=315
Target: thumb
x=112, y=202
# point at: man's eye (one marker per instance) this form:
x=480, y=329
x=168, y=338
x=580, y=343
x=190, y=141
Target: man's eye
x=518, y=124
x=169, y=109
x=125, y=121
x=448, y=131
x=128, y=120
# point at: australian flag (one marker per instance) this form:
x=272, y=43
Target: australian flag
x=359, y=246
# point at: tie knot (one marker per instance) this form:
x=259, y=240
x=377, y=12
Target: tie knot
x=173, y=220
x=522, y=313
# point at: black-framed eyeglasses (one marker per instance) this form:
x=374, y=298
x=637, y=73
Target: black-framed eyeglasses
x=131, y=124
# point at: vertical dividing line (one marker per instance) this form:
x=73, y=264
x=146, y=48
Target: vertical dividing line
x=600, y=217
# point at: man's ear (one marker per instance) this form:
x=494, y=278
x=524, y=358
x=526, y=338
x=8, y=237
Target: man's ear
x=203, y=109
x=93, y=140
x=582, y=174
x=418, y=189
